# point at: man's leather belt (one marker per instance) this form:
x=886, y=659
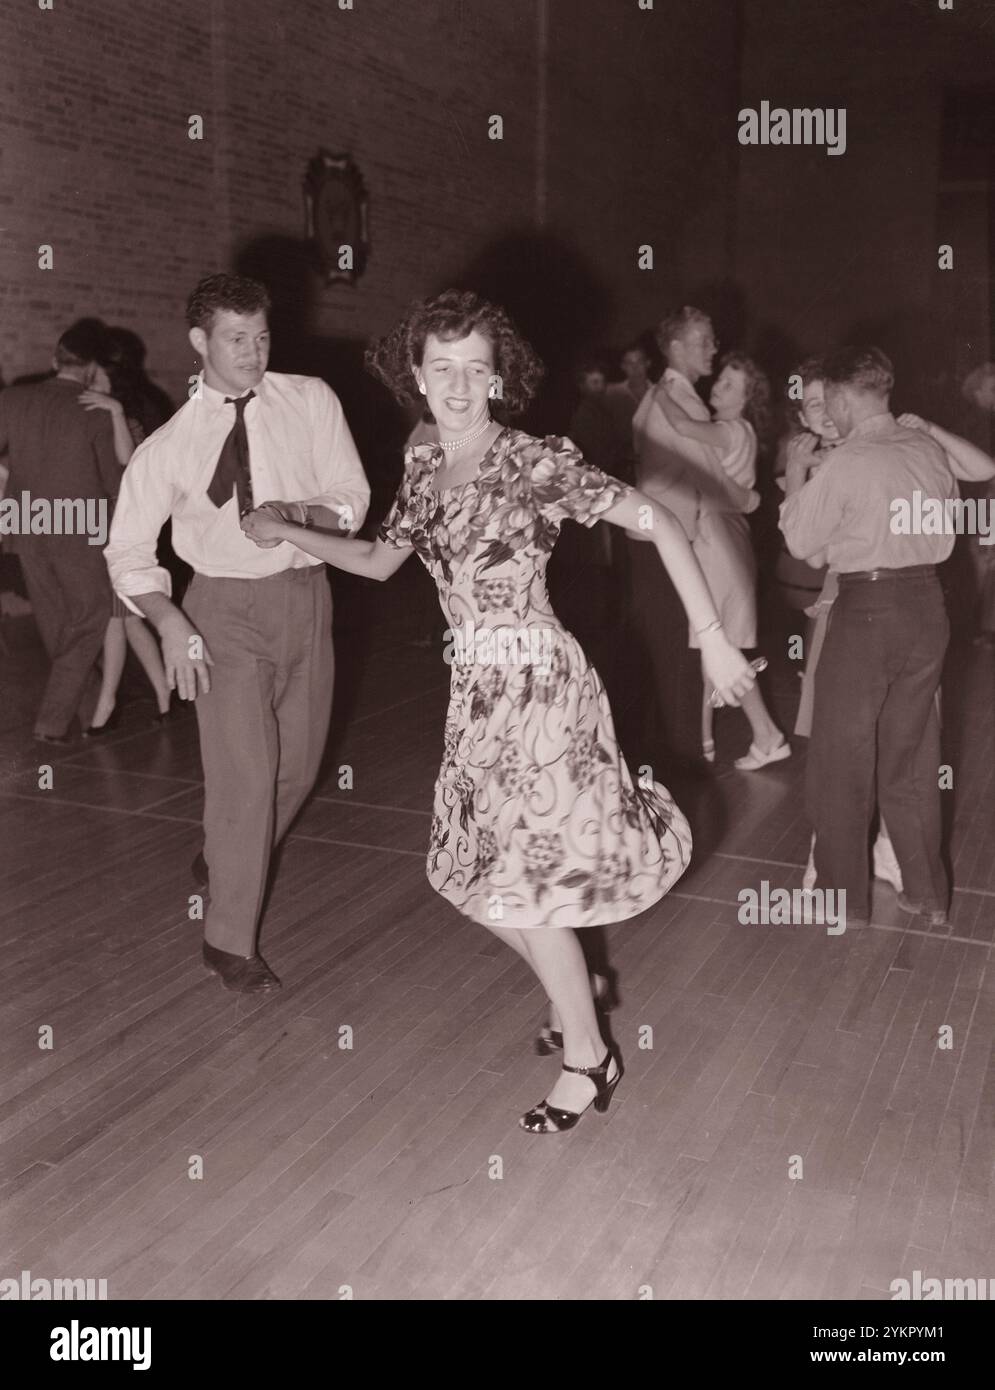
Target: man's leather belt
x=909, y=572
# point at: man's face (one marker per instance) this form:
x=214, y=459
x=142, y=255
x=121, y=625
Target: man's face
x=635, y=365
x=980, y=388
x=235, y=350
x=695, y=350
x=594, y=384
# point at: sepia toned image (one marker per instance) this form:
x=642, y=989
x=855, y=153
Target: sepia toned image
x=497, y=637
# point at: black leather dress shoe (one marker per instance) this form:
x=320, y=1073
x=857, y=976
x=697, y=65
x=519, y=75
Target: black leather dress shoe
x=200, y=872
x=243, y=974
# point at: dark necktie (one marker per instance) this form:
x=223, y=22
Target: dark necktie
x=233, y=462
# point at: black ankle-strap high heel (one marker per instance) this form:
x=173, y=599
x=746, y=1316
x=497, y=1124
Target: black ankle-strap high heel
x=550, y=1119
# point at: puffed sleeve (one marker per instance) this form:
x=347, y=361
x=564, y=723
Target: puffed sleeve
x=395, y=529
x=566, y=486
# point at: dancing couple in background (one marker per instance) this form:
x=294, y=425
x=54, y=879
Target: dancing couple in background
x=538, y=829
x=875, y=731
x=702, y=469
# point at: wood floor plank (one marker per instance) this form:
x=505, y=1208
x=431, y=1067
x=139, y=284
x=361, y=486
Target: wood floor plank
x=359, y=1130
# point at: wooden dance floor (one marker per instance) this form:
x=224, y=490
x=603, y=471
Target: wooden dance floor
x=395, y=1168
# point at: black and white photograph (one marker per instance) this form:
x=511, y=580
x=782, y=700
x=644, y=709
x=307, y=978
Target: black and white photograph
x=497, y=670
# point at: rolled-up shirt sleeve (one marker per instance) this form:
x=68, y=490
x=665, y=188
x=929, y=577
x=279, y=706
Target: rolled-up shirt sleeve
x=144, y=502
x=344, y=488
x=814, y=515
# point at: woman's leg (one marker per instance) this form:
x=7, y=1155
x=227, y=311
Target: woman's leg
x=556, y=956
x=766, y=734
x=115, y=647
x=146, y=648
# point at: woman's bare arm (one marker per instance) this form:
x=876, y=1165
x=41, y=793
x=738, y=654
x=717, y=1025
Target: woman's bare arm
x=711, y=432
x=724, y=665
x=966, y=460
x=372, y=559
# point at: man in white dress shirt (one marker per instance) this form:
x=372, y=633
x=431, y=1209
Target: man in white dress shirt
x=676, y=472
x=252, y=644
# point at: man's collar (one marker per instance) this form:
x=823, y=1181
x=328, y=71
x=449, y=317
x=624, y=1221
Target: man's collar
x=873, y=424
x=217, y=398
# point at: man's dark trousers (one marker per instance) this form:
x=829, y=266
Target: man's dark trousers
x=70, y=593
x=873, y=733
x=660, y=620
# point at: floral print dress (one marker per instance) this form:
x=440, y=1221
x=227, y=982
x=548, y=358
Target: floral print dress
x=536, y=820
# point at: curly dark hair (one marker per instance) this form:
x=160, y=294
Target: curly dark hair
x=808, y=371
x=453, y=315
x=81, y=343
x=757, y=408
x=235, y=292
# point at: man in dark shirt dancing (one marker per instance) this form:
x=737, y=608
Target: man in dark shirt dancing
x=63, y=466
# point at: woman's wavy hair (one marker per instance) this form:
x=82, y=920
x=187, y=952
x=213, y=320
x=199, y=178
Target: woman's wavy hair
x=757, y=408
x=453, y=315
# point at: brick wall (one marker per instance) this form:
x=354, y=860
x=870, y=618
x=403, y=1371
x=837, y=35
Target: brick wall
x=95, y=159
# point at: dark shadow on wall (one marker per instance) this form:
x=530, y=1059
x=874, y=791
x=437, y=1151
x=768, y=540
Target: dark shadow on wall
x=558, y=301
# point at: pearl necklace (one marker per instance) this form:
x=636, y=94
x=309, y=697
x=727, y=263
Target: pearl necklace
x=450, y=445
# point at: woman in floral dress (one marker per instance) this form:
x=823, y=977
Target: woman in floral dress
x=538, y=829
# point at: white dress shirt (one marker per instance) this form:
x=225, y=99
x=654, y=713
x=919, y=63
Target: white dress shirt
x=662, y=455
x=300, y=450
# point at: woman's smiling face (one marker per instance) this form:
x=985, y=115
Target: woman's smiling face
x=813, y=411
x=456, y=374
